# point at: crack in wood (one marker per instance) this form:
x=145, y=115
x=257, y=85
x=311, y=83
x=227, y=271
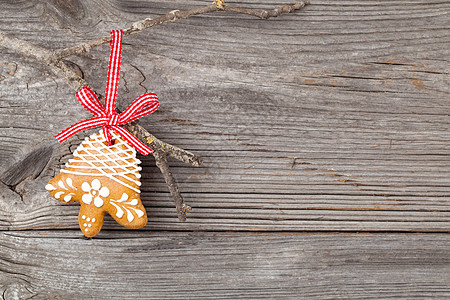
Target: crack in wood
x=29, y=167
x=143, y=76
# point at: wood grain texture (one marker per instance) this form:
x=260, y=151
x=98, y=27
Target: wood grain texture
x=332, y=118
x=161, y=265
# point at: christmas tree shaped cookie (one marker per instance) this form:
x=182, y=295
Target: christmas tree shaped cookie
x=102, y=179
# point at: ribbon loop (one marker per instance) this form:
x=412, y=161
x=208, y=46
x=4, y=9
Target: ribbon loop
x=90, y=101
x=106, y=116
x=143, y=105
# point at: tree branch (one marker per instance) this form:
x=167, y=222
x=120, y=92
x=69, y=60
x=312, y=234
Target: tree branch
x=54, y=59
x=160, y=149
x=168, y=149
x=266, y=14
x=25, y=48
x=77, y=82
x=163, y=165
x=173, y=16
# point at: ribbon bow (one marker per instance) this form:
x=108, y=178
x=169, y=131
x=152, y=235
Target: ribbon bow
x=107, y=116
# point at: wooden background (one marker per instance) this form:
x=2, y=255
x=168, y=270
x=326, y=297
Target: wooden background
x=325, y=135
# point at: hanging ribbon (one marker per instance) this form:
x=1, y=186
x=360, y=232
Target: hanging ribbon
x=107, y=116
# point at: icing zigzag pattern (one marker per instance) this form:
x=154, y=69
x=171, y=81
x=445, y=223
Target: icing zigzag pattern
x=117, y=162
x=95, y=177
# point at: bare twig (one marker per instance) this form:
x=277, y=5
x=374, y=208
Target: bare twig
x=53, y=58
x=266, y=14
x=76, y=82
x=23, y=47
x=160, y=149
x=173, y=16
x=168, y=149
x=163, y=165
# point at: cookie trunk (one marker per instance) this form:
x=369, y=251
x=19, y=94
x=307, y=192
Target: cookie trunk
x=90, y=220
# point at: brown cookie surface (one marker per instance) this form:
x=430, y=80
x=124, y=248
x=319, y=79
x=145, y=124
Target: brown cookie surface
x=102, y=179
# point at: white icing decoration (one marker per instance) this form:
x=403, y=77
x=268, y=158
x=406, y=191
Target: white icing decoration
x=70, y=183
x=124, y=197
x=139, y=212
x=50, y=187
x=87, y=198
x=104, y=192
x=121, y=205
x=111, y=158
x=98, y=201
x=68, y=197
x=96, y=185
x=94, y=189
x=61, y=185
x=87, y=223
x=58, y=195
x=86, y=229
x=119, y=212
x=86, y=187
x=130, y=216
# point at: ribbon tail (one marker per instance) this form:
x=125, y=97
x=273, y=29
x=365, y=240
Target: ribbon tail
x=107, y=135
x=134, y=141
x=113, y=71
x=80, y=126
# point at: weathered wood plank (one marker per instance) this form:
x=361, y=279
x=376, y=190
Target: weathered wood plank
x=335, y=118
x=332, y=118
x=139, y=265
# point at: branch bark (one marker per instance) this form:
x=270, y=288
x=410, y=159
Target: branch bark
x=173, y=16
x=163, y=165
x=160, y=149
x=54, y=59
x=266, y=14
x=163, y=147
x=77, y=82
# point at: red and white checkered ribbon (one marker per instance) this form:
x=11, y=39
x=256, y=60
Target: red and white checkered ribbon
x=107, y=116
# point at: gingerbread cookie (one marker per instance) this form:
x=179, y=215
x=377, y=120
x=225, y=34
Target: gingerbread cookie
x=102, y=179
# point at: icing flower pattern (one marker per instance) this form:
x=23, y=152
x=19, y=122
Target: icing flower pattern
x=94, y=191
x=103, y=179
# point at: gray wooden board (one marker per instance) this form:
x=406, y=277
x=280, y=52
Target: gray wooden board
x=169, y=265
x=334, y=118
